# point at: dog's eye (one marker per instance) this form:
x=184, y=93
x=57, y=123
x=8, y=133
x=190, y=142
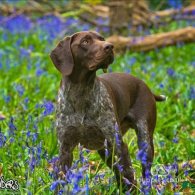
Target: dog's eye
x=85, y=42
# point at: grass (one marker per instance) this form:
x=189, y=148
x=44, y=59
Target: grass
x=28, y=144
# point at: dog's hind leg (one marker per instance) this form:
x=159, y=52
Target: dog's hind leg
x=145, y=145
x=122, y=165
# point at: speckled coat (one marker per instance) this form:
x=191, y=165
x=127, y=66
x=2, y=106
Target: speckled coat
x=85, y=114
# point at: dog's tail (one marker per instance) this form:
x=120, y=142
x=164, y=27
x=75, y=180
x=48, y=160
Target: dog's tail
x=160, y=98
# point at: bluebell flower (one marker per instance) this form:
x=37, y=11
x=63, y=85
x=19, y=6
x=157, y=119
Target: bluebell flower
x=56, y=183
x=175, y=140
x=70, y=21
x=51, y=26
x=48, y=108
x=126, y=181
x=18, y=24
x=24, y=53
x=12, y=127
x=39, y=72
x=187, y=166
x=106, y=148
x=128, y=71
x=35, y=136
x=120, y=167
x=192, y=93
x=161, y=85
x=146, y=185
x=142, y=153
x=175, y=3
x=117, y=139
x=85, y=27
x=32, y=163
x=76, y=180
x=116, y=127
x=11, y=140
x=193, y=64
x=2, y=140
x=29, y=193
x=186, y=172
x=102, y=21
x=81, y=156
x=170, y=72
x=19, y=88
x=26, y=100
x=131, y=61
x=61, y=192
x=161, y=143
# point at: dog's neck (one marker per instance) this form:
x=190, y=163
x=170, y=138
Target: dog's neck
x=81, y=76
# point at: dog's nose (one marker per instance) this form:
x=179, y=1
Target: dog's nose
x=108, y=46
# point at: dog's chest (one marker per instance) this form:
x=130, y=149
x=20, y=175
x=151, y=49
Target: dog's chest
x=86, y=108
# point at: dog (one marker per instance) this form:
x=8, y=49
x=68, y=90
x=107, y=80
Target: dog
x=91, y=109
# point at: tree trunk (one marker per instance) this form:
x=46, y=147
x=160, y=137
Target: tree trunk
x=119, y=17
x=126, y=16
x=151, y=42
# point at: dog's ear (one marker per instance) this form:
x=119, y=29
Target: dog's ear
x=62, y=57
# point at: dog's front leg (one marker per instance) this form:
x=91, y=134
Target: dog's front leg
x=68, y=139
x=65, y=157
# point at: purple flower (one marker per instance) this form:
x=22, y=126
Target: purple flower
x=11, y=140
x=20, y=89
x=24, y=53
x=170, y=72
x=48, y=108
x=146, y=186
x=142, y=153
x=2, y=139
x=193, y=64
x=12, y=127
x=131, y=61
x=120, y=167
x=7, y=99
x=175, y=140
x=101, y=21
x=161, y=85
x=161, y=143
x=106, y=148
x=56, y=183
x=32, y=162
x=117, y=139
x=81, y=156
x=39, y=72
x=34, y=138
x=175, y=3
x=18, y=24
x=117, y=135
x=127, y=71
x=192, y=93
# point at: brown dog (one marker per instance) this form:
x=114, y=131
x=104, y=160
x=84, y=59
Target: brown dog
x=93, y=109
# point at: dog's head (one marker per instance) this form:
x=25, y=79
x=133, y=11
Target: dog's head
x=86, y=49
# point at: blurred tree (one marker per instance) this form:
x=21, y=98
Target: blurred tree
x=128, y=13
x=119, y=16
x=192, y=2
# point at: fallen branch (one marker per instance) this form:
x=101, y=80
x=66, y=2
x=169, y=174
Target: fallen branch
x=151, y=42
